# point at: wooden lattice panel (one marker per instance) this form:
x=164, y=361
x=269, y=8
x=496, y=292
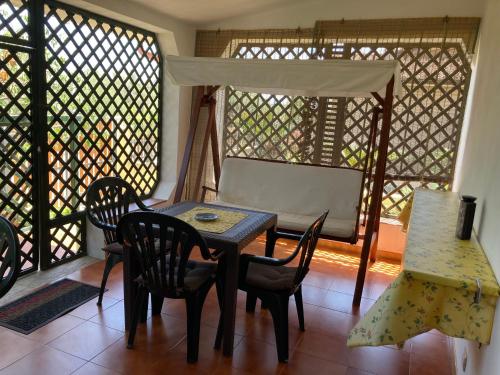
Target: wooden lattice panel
x=103, y=100
x=15, y=19
x=265, y=126
x=16, y=130
x=66, y=241
x=426, y=119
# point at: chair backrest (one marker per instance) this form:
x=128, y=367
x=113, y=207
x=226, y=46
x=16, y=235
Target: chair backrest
x=108, y=199
x=306, y=247
x=10, y=256
x=161, y=245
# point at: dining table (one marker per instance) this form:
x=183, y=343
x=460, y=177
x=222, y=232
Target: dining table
x=229, y=235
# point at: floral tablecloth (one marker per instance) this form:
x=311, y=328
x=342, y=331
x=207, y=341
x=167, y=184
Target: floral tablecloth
x=438, y=285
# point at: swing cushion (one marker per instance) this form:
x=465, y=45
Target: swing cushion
x=298, y=194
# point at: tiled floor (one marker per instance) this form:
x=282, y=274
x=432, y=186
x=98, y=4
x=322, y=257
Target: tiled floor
x=91, y=340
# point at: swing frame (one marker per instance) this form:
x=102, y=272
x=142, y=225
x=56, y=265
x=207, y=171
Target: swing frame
x=205, y=97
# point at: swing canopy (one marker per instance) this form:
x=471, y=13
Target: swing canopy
x=332, y=78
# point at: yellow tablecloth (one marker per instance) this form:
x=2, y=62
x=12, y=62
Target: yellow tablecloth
x=437, y=286
x=227, y=219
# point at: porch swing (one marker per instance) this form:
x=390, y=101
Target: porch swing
x=310, y=78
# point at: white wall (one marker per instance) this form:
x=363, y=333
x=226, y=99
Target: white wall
x=480, y=176
x=175, y=38
x=305, y=13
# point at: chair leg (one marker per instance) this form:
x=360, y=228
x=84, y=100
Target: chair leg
x=251, y=302
x=194, y=307
x=220, y=297
x=142, y=294
x=278, y=305
x=143, y=315
x=156, y=304
x=300, y=307
x=269, y=252
x=112, y=260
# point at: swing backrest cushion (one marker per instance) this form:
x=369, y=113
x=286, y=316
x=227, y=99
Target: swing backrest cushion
x=291, y=188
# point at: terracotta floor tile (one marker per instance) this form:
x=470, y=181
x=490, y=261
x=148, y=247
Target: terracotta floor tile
x=112, y=317
x=430, y=343
x=344, y=284
x=430, y=354
x=263, y=329
x=127, y=361
x=379, y=360
x=93, y=275
x=430, y=365
x=90, y=308
x=210, y=361
x=44, y=361
x=355, y=371
x=175, y=363
x=332, y=322
x=55, y=328
x=302, y=363
x=257, y=357
x=87, y=340
x=318, y=279
x=228, y=370
x=92, y=369
x=314, y=295
x=343, y=302
x=154, y=339
x=14, y=347
x=329, y=348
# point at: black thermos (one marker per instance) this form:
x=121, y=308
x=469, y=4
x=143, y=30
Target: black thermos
x=466, y=217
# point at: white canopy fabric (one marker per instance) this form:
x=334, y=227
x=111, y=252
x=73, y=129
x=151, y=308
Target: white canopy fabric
x=336, y=78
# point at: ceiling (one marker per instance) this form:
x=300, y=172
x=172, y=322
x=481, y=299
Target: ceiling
x=207, y=11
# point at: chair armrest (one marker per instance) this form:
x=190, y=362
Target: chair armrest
x=204, y=191
x=141, y=205
x=264, y=260
x=101, y=225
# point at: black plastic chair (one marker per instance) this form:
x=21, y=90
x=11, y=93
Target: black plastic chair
x=161, y=246
x=270, y=280
x=108, y=199
x=10, y=256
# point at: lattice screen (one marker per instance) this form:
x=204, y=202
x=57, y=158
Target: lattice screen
x=102, y=80
x=427, y=119
x=16, y=129
x=103, y=96
x=334, y=131
x=15, y=20
x=274, y=127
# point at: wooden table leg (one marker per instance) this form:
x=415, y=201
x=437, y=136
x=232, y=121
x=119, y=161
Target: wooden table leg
x=270, y=241
x=230, y=298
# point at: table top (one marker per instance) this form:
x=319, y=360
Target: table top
x=433, y=252
x=238, y=236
